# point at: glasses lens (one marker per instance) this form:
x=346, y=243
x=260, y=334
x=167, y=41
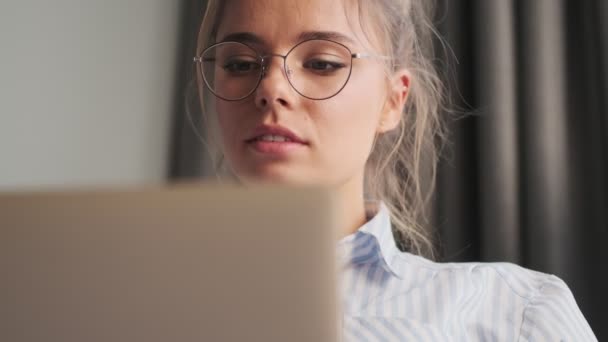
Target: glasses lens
x=319, y=69
x=231, y=70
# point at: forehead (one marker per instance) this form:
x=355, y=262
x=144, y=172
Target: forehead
x=280, y=23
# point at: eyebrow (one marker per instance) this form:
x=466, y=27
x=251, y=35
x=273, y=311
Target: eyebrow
x=248, y=37
x=327, y=35
x=242, y=37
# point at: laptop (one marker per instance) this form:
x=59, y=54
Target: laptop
x=174, y=263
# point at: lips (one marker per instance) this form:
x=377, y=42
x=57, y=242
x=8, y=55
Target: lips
x=275, y=134
x=275, y=141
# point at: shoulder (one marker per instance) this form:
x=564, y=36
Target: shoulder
x=552, y=314
x=539, y=306
x=519, y=281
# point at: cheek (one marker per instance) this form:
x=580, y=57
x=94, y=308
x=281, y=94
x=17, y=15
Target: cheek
x=355, y=112
x=229, y=122
x=349, y=129
x=367, y=88
x=224, y=118
x=230, y=129
x=348, y=126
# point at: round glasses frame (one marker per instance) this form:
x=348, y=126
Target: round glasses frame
x=265, y=66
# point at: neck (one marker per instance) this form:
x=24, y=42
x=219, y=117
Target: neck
x=351, y=214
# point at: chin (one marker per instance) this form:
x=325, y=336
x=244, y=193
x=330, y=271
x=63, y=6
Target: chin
x=275, y=175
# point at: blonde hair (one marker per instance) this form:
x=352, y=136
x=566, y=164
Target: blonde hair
x=402, y=166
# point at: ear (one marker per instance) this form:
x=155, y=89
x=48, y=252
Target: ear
x=396, y=98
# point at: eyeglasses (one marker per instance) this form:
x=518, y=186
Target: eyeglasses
x=316, y=69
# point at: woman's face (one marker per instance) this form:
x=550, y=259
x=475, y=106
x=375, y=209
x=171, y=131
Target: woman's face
x=335, y=135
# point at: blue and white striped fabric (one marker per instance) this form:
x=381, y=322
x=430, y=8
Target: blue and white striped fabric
x=388, y=295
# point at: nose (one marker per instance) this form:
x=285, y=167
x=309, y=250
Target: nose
x=274, y=88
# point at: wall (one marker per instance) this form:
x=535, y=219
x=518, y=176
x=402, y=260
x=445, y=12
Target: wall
x=86, y=91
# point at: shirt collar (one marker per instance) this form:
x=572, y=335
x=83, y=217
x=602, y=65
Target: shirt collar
x=372, y=241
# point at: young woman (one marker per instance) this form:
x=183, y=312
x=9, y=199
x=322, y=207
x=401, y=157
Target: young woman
x=343, y=93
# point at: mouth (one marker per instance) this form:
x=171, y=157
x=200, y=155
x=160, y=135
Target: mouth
x=275, y=141
x=273, y=138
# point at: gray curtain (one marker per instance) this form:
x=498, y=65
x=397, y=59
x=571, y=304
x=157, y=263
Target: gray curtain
x=188, y=157
x=523, y=177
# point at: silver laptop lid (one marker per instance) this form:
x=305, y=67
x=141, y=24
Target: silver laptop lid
x=185, y=263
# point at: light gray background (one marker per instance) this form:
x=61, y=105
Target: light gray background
x=86, y=91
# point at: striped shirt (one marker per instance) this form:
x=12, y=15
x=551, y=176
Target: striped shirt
x=389, y=295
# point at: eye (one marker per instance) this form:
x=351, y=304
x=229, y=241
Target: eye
x=240, y=66
x=324, y=66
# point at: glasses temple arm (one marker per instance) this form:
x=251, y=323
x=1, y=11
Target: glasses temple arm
x=370, y=55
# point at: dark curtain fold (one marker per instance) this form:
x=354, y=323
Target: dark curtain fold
x=188, y=155
x=523, y=176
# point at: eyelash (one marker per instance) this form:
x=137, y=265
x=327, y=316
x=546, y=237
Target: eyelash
x=230, y=64
x=334, y=65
